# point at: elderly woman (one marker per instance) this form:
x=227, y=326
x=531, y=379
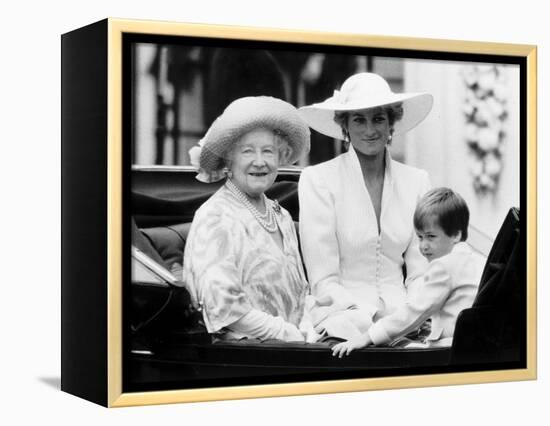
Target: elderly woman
x=356, y=211
x=241, y=263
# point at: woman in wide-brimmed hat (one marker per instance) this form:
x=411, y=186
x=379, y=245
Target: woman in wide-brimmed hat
x=356, y=211
x=242, y=264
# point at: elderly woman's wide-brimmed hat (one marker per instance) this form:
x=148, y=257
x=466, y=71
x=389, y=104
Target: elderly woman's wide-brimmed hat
x=363, y=91
x=240, y=117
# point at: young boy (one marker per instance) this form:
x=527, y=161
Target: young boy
x=449, y=284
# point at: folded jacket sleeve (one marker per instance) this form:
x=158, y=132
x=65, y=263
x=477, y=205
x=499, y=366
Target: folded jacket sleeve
x=415, y=263
x=260, y=325
x=424, y=299
x=319, y=241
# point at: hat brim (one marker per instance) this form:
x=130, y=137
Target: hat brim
x=320, y=117
x=246, y=114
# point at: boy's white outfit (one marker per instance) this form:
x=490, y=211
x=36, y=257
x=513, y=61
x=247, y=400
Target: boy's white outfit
x=449, y=286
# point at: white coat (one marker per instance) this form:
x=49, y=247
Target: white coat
x=345, y=256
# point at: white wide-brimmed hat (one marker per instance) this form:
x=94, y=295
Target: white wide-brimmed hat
x=363, y=91
x=242, y=116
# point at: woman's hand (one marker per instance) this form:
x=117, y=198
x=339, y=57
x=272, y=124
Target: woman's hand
x=323, y=307
x=291, y=333
x=307, y=330
x=345, y=348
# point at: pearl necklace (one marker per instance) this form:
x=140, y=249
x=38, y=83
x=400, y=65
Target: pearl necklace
x=266, y=220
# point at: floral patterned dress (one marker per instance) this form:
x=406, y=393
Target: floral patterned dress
x=232, y=265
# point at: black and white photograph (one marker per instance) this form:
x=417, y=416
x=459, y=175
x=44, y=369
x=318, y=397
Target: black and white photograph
x=219, y=213
x=305, y=212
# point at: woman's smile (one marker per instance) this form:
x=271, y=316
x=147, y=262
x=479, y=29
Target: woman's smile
x=259, y=176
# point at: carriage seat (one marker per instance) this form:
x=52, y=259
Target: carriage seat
x=164, y=244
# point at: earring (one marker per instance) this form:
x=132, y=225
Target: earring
x=347, y=136
x=228, y=173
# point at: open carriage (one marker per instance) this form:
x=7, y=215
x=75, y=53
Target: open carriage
x=168, y=344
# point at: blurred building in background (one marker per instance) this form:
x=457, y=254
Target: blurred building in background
x=469, y=142
x=180, y=90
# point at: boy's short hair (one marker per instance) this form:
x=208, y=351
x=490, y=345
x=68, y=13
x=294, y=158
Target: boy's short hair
x=450, y=211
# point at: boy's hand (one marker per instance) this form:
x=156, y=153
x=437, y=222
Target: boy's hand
x=345, y=348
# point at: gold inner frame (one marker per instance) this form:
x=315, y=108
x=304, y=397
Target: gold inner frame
x=116, y=28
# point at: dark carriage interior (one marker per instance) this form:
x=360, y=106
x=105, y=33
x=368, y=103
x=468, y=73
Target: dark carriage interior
x=168, y=344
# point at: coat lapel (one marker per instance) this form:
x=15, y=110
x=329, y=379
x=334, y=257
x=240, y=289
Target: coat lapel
x=359, y=190
x=387, y=189
x=360, y=198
